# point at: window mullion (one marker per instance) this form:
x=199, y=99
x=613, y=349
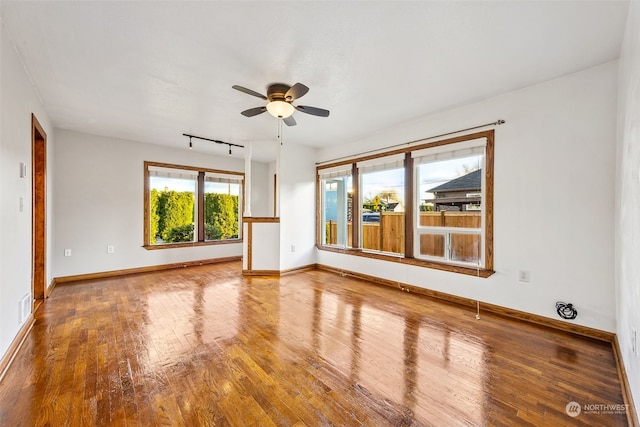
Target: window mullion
x=410, y=205
x=200, y=202
x=356, y=215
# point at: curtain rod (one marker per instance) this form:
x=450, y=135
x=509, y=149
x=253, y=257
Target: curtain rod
x=496, y=123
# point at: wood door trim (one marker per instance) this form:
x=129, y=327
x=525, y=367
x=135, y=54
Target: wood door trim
x=39, y=210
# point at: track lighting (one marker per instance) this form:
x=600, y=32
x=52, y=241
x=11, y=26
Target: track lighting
x=230, y=144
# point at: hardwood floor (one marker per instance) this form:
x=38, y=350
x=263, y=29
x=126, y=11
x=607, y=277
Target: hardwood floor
x=206, y=346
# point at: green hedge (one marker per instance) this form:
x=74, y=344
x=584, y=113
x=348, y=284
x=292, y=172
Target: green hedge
x=172, y=216
x=221, y=216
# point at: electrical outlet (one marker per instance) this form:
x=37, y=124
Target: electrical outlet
x=293, y=248
x=67, y=252
x=523, y=275
x=110, y=249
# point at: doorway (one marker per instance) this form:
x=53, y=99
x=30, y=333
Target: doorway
x=39, y=209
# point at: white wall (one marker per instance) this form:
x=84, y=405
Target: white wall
x=297, y=206
x=18, y=102
x=628, y=201
x=554, y=198
x=260, y=195
x=265, y=244
x=272, y=172
x=99, y=202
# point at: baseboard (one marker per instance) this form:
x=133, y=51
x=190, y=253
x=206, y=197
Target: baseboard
x=15, y=346
x=260, y=272
x=138, y=270
x=279, y=272
x=52, y=285
x=298, y=269
x=486, y=307
x=632, y=415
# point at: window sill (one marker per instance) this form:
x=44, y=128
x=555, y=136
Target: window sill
x=469, y=271
x=191, y=244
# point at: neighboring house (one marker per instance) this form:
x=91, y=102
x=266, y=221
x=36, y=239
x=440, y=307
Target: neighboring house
x=460, y=194
x=394, y=207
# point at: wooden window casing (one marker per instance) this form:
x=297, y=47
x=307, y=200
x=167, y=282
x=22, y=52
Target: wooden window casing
x=410, y=209
x=200, y=207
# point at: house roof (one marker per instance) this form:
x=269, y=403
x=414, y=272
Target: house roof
x=468, y=182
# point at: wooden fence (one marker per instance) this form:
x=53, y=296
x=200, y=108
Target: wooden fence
x=464, y=247
x=388, y=234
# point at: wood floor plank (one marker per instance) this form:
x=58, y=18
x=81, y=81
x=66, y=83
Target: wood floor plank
x=205, y=346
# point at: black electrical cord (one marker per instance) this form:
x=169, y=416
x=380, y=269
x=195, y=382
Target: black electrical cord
x=566, y=311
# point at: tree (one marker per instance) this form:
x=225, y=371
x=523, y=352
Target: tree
x=172, y=216
x=154, y=217
x=389, y=195
x=176, y=211
x=183, y=233
x=426, y=207
x=221, y=216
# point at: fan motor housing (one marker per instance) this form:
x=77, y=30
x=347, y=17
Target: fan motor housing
x=277, y=91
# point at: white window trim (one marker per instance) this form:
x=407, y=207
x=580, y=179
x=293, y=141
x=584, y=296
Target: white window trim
x=335, y=172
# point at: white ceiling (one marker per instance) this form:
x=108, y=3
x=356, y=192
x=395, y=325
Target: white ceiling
x=150, y=71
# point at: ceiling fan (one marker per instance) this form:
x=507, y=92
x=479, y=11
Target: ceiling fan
x=280, y=97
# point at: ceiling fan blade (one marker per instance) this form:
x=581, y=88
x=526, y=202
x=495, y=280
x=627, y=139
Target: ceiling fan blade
x=296, y=91
x=289, y=121
x=313, y=110
x=254, y=111
x=249, y=92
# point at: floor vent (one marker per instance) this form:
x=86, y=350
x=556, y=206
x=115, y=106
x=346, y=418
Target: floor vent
x=24, y=308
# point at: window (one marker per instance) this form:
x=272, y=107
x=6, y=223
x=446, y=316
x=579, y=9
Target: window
x=221, y=206
x=382, y=204
x=446, y=222
x=337, y=206
x=449, y=203
x=187, y=206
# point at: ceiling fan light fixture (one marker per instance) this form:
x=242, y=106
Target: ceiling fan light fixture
x=280, y=109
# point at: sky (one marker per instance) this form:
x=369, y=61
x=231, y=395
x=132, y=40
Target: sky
x=177, y=184
x=431, y=175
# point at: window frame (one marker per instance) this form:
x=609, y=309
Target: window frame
x=411, y=208
x=341, y=191
x=395, y=162
x=199, y=214
x=334, y=174
x=473, y=148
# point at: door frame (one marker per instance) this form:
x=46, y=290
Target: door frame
x=39, y=212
